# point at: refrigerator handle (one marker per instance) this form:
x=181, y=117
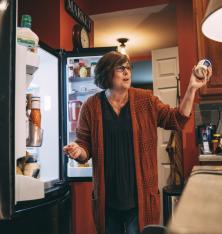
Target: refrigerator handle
x=61, y=183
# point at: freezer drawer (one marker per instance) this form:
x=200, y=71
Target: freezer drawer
x=51, y=215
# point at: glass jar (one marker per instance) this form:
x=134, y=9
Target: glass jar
x=216, y=136
x=83, y=70
x=92, y=69
x=201, y=68
x=32, y=167
x=219, y=147
x=76, y=68
x=214, y=145
x=28, y=111
x=35, y=115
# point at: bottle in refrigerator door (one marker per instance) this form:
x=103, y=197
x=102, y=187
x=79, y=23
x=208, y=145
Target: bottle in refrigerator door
x=25, y=36
x=28, y=111
x=35, y=136
x=35, y=115
x=32, y=167
x=28, y=165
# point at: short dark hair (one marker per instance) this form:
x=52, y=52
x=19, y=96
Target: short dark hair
x=104, y=69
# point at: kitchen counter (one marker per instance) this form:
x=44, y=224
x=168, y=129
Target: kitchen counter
x=199, y=210
x=210, y=157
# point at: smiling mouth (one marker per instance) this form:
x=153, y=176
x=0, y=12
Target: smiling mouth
x=126, y=79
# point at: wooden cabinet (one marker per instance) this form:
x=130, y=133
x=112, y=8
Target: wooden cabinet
x=208, y=49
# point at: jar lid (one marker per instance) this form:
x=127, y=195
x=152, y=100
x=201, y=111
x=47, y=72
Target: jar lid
x=31, y=159
x=216, y=135
x=35, y=98
x=215, y=141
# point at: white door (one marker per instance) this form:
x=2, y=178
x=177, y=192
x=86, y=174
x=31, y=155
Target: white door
x=165, y=69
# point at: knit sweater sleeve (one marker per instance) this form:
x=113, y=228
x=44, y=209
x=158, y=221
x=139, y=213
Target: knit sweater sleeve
x=83, y=133
x=167, y=117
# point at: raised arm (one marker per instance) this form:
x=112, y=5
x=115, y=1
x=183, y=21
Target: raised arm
x=194, y=84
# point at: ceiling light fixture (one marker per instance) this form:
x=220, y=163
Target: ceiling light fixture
x=122, y=46
x=211, y=26
x=3, y=5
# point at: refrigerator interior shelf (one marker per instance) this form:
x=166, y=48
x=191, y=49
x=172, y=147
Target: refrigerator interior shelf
x=28, y=188
x=32, y=62
x=80, y=79
x=76, y=94
x=79, y=171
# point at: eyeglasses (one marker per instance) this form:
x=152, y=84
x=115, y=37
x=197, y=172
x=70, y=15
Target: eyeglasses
x=123, y=68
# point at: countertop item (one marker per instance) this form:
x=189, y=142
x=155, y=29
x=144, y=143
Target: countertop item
x=210, y=157
x=199, y=210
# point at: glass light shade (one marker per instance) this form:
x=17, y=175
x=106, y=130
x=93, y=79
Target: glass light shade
x=122, y=46
x=122, y=49
x=211, y=25
x=3, y=5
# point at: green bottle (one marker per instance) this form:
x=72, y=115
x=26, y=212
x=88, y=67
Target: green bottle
x=25, y=36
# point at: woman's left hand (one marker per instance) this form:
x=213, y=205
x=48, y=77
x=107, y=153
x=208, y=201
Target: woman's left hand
x=196, y=83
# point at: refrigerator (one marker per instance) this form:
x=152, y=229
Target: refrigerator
x=78, y=75
x=63, y=81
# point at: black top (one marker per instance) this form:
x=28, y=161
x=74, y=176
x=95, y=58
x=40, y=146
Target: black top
x=120, y=183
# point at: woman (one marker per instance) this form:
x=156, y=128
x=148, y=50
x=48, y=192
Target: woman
x=118, y=129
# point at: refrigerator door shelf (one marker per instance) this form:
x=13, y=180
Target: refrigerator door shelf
x=81, y=79
x=73, y=171
x=32, y=62
x=28, y=188
x=73, y=96
x=26, y=64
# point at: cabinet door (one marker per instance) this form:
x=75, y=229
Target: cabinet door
x=208, y=49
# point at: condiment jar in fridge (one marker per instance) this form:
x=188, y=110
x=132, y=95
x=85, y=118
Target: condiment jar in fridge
x=83, y=72
x=76, y=68
x=74, y=109
x=92, y=69
x=28, y=111
x=32, y=167
x=35, y=115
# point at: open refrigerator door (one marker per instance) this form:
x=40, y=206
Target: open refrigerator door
x=36, y=124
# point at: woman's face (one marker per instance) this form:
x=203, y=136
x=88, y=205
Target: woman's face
x=122, y=77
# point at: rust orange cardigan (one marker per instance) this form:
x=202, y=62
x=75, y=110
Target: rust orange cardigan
x=147, y=113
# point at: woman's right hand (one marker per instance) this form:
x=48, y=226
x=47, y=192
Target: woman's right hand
x=73, y=150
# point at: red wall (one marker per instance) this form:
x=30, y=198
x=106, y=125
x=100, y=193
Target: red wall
x=187, y=59
x=51, y=22
x=45, y=19
x=67, y=23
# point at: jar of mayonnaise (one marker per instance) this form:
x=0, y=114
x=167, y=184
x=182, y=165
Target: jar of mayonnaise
x=201, y=67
